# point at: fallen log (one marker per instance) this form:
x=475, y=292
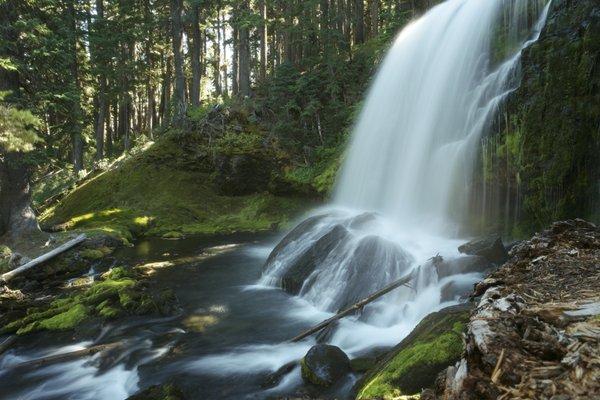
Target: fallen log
x=43, y=258
x=72, y=355
x=400, y=282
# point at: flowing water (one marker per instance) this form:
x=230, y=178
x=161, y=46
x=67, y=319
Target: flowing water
x=400, y=199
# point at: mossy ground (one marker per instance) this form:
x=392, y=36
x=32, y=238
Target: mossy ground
x=165, y=191
x=118, y=293
x=434, y=344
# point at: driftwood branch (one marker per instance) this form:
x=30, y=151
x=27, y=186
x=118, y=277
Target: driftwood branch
x=43, y=258
x=400, y=282
x=72, y=355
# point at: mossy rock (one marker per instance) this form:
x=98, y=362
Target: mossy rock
x=159, y=392
x=173, y=235
x=119, y=293
x=414, y=364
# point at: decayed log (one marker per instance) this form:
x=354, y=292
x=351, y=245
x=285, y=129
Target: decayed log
x=72, y=355
x=43, y=258
x=400, y=282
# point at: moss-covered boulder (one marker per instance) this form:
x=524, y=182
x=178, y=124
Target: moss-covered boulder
x=414, y=364
x=118, y=293
x=324, y=365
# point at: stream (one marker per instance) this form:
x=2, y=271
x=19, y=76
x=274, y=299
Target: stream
x=228, y=338
x=224, y=335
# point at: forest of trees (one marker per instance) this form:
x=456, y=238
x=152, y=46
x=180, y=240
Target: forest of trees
x=97, y=75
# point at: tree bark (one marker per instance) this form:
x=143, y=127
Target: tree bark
x=374, y=17
x=17, y=219
x=102, y=101
x=195, y=54
x=176, y=38
x=244, y=63
x=262, y=4
x=224, y=42
x=235, y=74
x=359, y=24
x=75, y=115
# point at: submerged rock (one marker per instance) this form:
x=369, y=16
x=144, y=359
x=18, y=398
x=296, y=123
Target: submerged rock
x=324, y=365
x=491, y=248
x=414, y=364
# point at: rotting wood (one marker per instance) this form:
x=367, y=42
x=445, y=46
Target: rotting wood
x=72, y=355
x=43, y=258
x=357, y=306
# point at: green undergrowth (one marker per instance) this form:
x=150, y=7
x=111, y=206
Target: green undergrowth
x=164, y=191
x=434, y=344
x=119, y=293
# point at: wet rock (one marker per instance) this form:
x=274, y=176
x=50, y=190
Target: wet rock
x=414, y=364
x=324, y=365
x=303, y=266
x=452, y=290
x=360, y=221
x=275, y=378
x=369, y=268
x=16, y=260
x=303, y=228
x=490, y=247
x=462, y=265
x=159, y=392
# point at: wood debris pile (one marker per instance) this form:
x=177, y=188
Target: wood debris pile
x=535, y=333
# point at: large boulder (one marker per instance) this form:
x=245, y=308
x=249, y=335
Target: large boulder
x=324, y=365
x=313, y=256
x=490, y=247
x=414, y=364
x=375, y=262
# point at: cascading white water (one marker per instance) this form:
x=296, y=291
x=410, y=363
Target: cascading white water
x=414, y=144
x=404, y=185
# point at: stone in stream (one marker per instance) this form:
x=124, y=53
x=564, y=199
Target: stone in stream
x=324, y=365
x=303, y=266
x=490, y=247
x=414, y=364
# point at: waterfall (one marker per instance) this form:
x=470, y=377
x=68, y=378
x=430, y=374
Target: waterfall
x=403, y=188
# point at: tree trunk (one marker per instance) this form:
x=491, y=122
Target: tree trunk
x=359, y=25
x=17, y=219
x=224, y=42
x=216, y=61
x=75, y=114
x=235, y=74
x=102, y=101
x=262, y=4
x=374, y=11
x=244, y=63
x=195, y=51
x=176, y=38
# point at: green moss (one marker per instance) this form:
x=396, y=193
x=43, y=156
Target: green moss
x=5, y=253
x=91, y=254
x=117, y=294
x=434, y=344
x=172, y=235
x=164, y=190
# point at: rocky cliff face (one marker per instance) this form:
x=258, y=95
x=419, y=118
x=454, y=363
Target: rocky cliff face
x=543, y=162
